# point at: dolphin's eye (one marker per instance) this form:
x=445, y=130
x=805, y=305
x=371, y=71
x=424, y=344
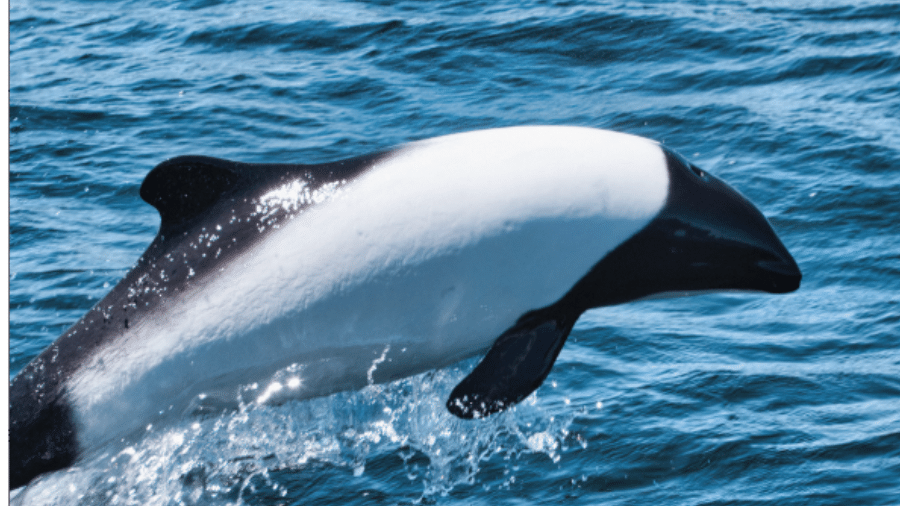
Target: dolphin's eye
x=700, y=173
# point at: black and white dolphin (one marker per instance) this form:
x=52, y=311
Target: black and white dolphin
x=271, y=282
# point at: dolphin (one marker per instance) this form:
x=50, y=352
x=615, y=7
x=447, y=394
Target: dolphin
x=270, y=282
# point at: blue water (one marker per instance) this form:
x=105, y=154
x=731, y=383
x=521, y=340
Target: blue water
x=737, y=399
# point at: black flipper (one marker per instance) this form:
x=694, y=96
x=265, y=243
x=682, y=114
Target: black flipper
x=515, y=366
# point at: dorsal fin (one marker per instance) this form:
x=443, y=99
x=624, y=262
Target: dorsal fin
x=184, y=187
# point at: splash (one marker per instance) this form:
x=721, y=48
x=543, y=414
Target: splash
x=229, y=458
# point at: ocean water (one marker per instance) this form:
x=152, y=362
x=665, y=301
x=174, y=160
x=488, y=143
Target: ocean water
x=729, y=399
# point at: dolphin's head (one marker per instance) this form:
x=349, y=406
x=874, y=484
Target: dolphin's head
x=717, y=239
x=707, y=237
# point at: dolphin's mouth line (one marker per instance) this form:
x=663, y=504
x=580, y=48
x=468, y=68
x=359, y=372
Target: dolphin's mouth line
x=783, y=276
x=781, y=268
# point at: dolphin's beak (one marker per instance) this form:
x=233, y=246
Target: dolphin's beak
x=781, y=271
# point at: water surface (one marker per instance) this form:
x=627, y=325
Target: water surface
x=738, y=399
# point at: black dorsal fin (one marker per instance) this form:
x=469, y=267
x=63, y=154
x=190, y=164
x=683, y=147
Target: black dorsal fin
x=184, y=187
